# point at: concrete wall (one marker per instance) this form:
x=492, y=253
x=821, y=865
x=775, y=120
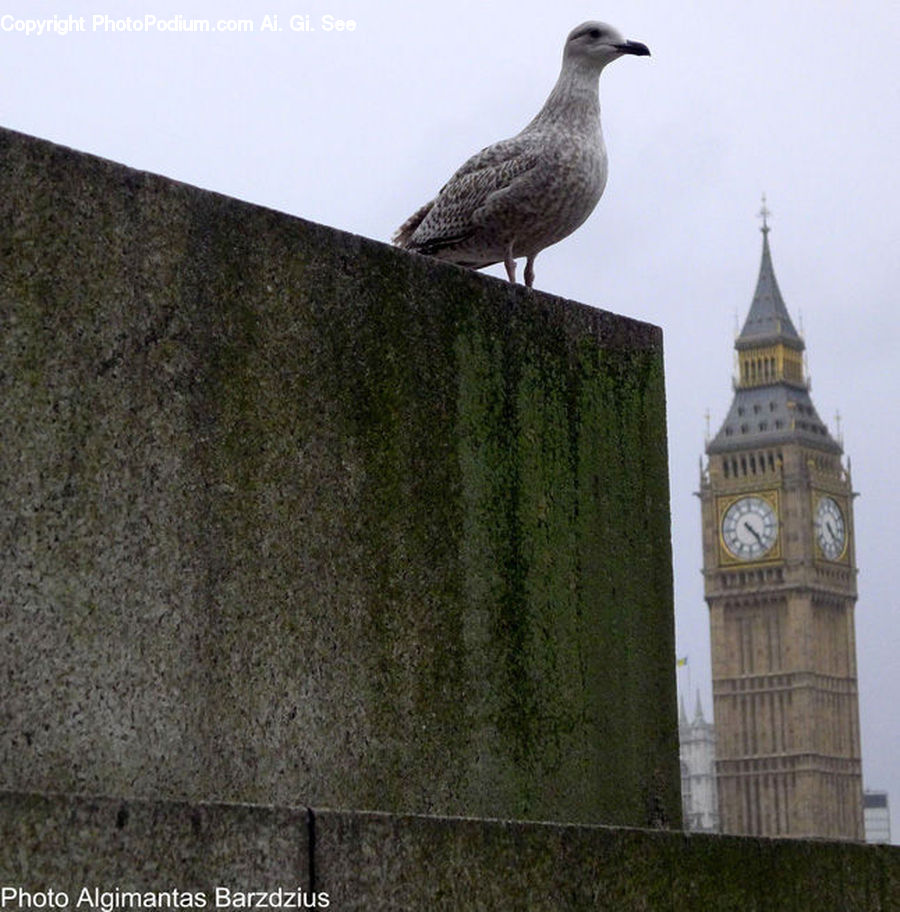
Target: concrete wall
x=291, y=517
x=372, y=861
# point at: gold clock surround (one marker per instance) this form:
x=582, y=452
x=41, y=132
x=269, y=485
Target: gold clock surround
x=772, y=554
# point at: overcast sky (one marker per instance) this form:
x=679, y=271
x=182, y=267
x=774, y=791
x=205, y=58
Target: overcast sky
x=356, y=129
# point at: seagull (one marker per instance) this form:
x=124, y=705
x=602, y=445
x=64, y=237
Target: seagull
x=522, y=194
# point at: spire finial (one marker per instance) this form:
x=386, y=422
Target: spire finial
x=764, y=214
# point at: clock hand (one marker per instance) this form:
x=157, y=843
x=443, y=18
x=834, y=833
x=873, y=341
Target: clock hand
x=830, y=530
x=753, y=532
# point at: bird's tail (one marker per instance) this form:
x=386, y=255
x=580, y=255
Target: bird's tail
x=405, y=232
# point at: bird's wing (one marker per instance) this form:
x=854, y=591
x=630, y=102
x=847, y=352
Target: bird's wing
x=455, y=212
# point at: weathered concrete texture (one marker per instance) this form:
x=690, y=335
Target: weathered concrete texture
x=68, y=843
x=371, y=861
x=290, y=516
x=414, y=863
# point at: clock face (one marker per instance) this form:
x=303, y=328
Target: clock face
x=831, y=532
x=749, y=528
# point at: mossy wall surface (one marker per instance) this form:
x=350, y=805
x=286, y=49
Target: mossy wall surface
x=371, y=861
x=417, y=863
x=290, y=516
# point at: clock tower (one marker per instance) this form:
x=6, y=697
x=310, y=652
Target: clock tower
x=780, y=581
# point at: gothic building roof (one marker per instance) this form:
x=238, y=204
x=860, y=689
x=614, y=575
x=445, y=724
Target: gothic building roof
x=776, y=409
x=768, y=320
x=768, y=415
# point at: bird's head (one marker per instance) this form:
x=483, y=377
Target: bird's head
x=597, y=44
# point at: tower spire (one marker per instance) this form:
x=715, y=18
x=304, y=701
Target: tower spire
x=768, y=321
x=771, y=387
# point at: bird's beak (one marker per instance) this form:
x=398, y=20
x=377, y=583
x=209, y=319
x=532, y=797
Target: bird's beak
x=633, y=47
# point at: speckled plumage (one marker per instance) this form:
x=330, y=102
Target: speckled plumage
x=523, y=194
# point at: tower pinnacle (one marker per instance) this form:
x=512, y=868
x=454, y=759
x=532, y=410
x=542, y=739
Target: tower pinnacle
x=764, y=214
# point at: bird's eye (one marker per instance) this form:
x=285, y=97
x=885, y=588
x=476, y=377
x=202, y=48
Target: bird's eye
x=595, y=33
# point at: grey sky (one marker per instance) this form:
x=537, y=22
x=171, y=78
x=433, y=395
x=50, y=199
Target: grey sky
x=356, y=129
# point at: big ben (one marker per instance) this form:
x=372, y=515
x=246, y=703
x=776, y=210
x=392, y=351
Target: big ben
x=780, y=582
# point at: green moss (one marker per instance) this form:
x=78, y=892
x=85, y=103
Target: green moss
x=355, y=527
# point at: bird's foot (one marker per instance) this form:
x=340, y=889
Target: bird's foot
x=510, y=263
x=529, y=272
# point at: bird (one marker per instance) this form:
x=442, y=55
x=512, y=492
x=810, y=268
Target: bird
x=520, y=195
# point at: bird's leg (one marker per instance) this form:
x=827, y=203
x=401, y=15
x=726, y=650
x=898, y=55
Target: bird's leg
x=510, y=263
x=529, y=271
